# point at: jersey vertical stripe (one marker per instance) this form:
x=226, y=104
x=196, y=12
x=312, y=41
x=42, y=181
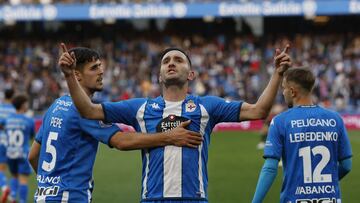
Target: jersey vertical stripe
x=172, y=158
x=204, y=122
x=140, y=118
x=65, y=197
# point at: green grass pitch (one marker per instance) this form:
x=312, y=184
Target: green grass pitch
x=234, y=166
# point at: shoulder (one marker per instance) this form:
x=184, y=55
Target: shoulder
x=281, y=117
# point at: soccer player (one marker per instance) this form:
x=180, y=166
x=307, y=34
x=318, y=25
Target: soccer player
x=6, y=108
x=312, y=142
x=19, y=129
x=65, y=147
x=171, y=173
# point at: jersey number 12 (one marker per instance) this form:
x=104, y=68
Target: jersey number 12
x=315, y=176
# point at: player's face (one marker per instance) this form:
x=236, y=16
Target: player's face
x=287, y=92
x=175, y=69
x=91, y=77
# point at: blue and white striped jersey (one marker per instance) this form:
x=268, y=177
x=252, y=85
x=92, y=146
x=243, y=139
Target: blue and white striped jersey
x=311, y=141
x=170, y=172
x=68, y=149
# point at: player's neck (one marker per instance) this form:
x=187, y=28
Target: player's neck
x=88, y=92
x=304, y=101
x=7, y=101
x=174, y=93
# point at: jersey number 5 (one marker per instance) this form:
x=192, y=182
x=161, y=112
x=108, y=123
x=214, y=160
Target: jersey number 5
x=315, y=176
x=49, y=166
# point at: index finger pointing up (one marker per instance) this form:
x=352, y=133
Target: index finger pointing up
x=63, y=47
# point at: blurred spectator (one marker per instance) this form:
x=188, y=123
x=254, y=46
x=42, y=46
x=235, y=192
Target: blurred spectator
x=233, y=67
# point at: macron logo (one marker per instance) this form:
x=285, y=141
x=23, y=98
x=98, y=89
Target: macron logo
x=155, y=106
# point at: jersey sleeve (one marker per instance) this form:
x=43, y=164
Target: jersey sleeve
x=222, y=110
x=123, y=111
x=344, y=142
x=99, y=130
x=274, y=141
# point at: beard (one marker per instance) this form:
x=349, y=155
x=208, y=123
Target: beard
x=96, y=89
x=174, y=82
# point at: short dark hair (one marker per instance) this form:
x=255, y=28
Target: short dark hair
x=84, y=55
x=9, y=93
x=19, y=100
x=175, y=49
x=301, y=76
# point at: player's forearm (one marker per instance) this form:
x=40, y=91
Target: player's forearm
x=131, y=141
x=344, y=167
x=266, y=178
x=34, y=164
x=82, y=101
x=33, y=156
x=266, y=100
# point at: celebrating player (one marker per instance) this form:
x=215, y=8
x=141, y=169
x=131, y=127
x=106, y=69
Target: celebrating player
x=171, y=173
x=19, y=129
x=312, y=142
x=65, y=147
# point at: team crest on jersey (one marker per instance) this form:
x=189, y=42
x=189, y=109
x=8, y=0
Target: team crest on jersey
x=190, y=106
x=169, y=123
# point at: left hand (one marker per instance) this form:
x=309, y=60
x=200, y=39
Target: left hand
x=282, y=60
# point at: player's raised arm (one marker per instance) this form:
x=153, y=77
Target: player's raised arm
x=179, y=136
x=82, y=101
x=261, y=108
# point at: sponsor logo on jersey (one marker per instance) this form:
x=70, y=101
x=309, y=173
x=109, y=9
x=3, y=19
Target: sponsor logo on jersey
x=321, y=200
x=309, y=190
x=48, y=179
x=190, y=106
x=47, y=191
x=169, y=123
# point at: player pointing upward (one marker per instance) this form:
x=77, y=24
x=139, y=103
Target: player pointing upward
x=170, y=173
x=65, y=147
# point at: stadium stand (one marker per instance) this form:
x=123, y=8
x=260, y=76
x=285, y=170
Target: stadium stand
x=232, y=66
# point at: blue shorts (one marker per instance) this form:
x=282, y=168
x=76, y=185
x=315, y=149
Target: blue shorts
x=3, y=158
x=19, y=166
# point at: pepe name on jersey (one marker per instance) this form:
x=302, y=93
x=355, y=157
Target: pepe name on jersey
x=169, y=123
x=309, y=136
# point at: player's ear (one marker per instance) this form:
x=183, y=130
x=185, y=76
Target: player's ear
x=78, y=75
x=191, y=75
x=292, y=92
x=160, y=79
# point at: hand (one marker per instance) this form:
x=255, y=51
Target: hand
x=282, y=60
x=182, y=137
x=67, y=61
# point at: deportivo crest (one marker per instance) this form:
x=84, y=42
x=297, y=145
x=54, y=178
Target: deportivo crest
x=190, y=106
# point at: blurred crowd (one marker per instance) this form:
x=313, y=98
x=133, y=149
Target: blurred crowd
x=231, y=67
x=15, y=2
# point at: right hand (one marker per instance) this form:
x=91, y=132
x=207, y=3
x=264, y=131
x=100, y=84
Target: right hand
x=282, y=60
x=67, y=61
x=182, y=137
